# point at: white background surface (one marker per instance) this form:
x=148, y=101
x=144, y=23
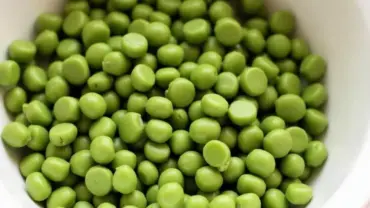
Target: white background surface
x=354, y=191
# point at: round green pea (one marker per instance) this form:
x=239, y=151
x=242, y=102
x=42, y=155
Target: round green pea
x=34, y=78
x=31, y=163
x=147, y=173
x=46, y=42
x=180, y=142
x=63, y=134
x=92, y=105
x=204, y=130
x=158, y=131
x=315, y=122
x=274, y=198
x=124, y=179
x=170, y=195
x=76, y=70
x=189, y=162
x=222, y=201
x=131, y=128
x=235, y=169
x=157, y=153
x=38, y=187
x=197, y=201
x=164, y=76
x=282, y=22
x=217, y=154
x=315, y=154
x=170, y=55
x=159, y=107
x=313, y=67
x=278, y=142
x=249, y=183
x=16, y=134
x=134, y=45
x=196, y=31
x=68, y=47
x=228, y=31
x=55, y=169
x=192, y=9
x=81, y=162
x=219, y=10
x=278, y=46
x=98, y=180
x=143, y=78
x=290, y=107
x=181, y=92
x=299, y=194
x=102, y=149
x=268, y=66
x=250, y=138
x=208, y=179
x=260, y=162
x=22, y=51
x=204, y=76
x=242, y=112
x=10, y=73
x=248, y=200
x=292, y=166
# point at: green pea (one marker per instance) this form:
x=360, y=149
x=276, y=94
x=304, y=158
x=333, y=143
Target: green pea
x=191, y=52
x=14, y=99
x=97, y=14
x=289, y=83
x=136, y=103
x=117, y=22
x=306, y=173
x=143, y=78
x=197, y=201
x=192, y=9
x=158, y=34
x=214, y=105
x=81, y=162
x=313, y=67
x=176, y=28
x=239, y=114
x=170, y=55
x=253, y=81
x=299, y=194
x=135, y=199
x=139, y=26
x=123, y=86
x=124, y=5
x=92, y=105
x=159, y=107
x=250, y=138
x=284, y=109
x=76, y=70
x=189, y=162
x=315, y=122
x=227, y=85
x=282, y=22
x=134, y=45
x=278, y=46
x=55, y=169
x=300, y=49
x=274, y=180
x=271, y=123
x=113, y=102
x=234, y=62
x=269, y=67
x=158, y=131
x=68, y=47
x=228, y=31
x=164, y=76
x=22, y=51
x=219, y=10
x=235, y=169
x=292, y=166
x=63, y=134
x=21, y=118
x=179, y=119
x=248, y=200
x=101, y=174
x=171, y=175
x=248, y=183
x=102, y=149
x=46, y=42
x=217, y=154
x=315, y=95
x=66, y=109
x=103, y=127
x=199, y=135
x=208, y=179
x=34, y=78
x=222, y=201
x=259, y=24
x=76, y=6
x=109, y=198
x=180, y=142
x=274, y=198
x=31, y=163
x=131, y=128
x=38, y=187
x=287, y=65
x=260, y=162
x=114, y=43
x=254, y=41
x=181, y=92
x=278, y=142
x=82, y=193
x=157, y=153
x=148, y=173
x=158, y=16
x=124, y=157
x=170, y=195
x=315, y=154
x=211, y=58
x=74, y=23
x=48, y=21
x=151, y=195
x=124, y=179
x=209, y=196
x=10, y=73
x=204, y=76
x=141, y=11
x=37, y=113
x=39, y=138
x=299, y=138
x=212, y=44
x=95, y=31
x=62, y=197
x=149, y=60
x=196, y=31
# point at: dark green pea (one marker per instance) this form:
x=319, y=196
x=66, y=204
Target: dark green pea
x=81, y=143
x=141, y=11
x=97, y=14
x=287, y=65
x=179, y=119
x=177, y=28
x=113, y=102
x=259, y=24
x=212, y=44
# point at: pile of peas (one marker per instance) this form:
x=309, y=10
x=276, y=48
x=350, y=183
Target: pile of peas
x=166, y=104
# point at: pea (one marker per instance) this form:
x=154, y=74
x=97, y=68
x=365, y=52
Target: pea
x=208, y=179
x=282, y=22
x=68, y=47
x=217, y=154
x=38, y=187
x=22, y=51
x=228, y=31
x=299, y=194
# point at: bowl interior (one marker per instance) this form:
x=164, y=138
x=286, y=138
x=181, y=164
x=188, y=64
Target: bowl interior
x=335, y=29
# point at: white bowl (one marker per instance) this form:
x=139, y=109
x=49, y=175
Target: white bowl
x=336, y=29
